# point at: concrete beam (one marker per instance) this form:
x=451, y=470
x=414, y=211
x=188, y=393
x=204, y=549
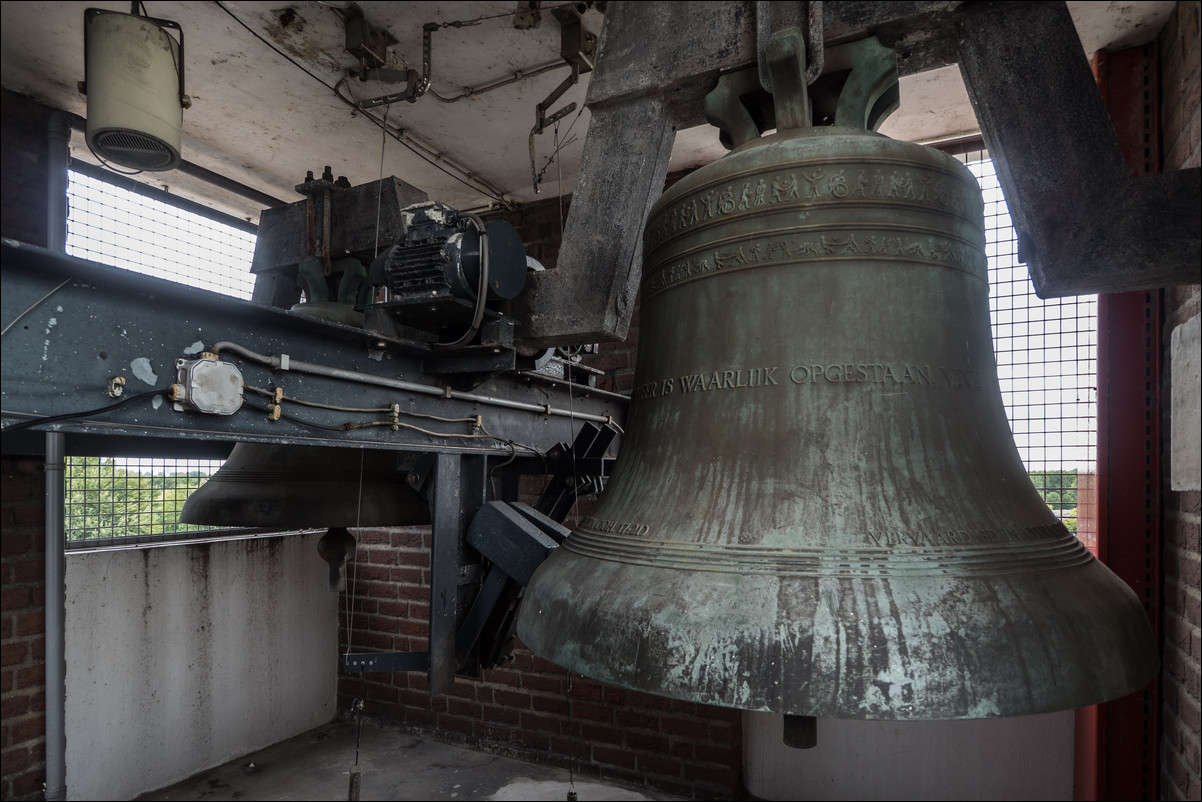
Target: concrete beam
x=655, y=64
x=1084, y=224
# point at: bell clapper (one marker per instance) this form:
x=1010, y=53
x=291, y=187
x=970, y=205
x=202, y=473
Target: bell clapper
x=336, y=547
x=801, y=732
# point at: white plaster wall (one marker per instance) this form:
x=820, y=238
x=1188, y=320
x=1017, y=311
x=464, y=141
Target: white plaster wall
x=1185, y=463
x=1028, y=757
x=182, y=657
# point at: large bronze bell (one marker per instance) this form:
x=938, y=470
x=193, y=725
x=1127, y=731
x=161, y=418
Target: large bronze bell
x=819, y=508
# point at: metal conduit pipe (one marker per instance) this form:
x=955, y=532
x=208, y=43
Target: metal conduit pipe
x=56, y=613
x=58, y=138
x=283, y=362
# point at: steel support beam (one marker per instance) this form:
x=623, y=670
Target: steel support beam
x=458, y=492
x=71, y=326
x=1084, y=224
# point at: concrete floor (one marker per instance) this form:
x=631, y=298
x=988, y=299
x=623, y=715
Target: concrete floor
x=393, y=764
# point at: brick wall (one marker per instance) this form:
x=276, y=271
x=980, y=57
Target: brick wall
x=22, y=513
x=23, y=180
x=22, y=624
x=1181, y=719
x=532, y=709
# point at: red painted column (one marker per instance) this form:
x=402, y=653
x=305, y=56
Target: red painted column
x=1124, y=762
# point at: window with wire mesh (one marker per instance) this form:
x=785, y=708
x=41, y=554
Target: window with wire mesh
x=110, y=224
x=110, y=499
x=1046, y=353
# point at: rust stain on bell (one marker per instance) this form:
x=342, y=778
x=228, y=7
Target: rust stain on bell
x=819, y=508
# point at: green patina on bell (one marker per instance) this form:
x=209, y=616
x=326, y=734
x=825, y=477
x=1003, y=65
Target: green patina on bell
x=819, y=508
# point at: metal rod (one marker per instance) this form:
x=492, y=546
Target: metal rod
x=58, y=136
x=56, y=609
x=446, y=513
x=282, y=362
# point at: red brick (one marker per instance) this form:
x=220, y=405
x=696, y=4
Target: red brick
x=27, y=570
x=571, y=747
x=455, y=724
x=512, y=699
x=556, y=705
x=597, y=733
x=540, y=723
x=16, y=598
x=661, y=766
x=13, y=706
x=495, y=714
x=649, y=742
x=542, y=682
x=636, y=718
x=623, y=758
x=26, y=515
x=725, y=755
x=399, y=609
x=27, y=730
x=504, y=676
x=27, y=785
x=464, y=707
x=31, y=623
x=382, y=556
x=382, y=693
x=696, y=729
x=14, y=653
x=409, y=539
x=592, y=712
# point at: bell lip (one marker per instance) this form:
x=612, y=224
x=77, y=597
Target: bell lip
x=1117, y=654
x=236, y=498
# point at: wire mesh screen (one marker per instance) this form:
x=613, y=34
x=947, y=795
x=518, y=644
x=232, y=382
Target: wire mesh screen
x=110, y=499
x=1046, y=353
x=114, y=226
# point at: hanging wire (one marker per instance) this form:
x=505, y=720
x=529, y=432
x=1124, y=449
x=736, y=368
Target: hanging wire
x=380, y=185
x=34, y=306
x=571, y=797
x=431, y=156
x=85, y=413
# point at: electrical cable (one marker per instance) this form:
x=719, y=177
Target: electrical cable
x=351, y=425
x=293, y=418
x=518, y=75
x=284, y=362
x=34, y=306
x=336, y=408
x=86, y=414
x=491, y=192
x=481, y=288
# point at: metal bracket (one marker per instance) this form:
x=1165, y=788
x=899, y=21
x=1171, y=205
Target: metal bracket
x=364, y=41
x=576, y=470
x=578, y=48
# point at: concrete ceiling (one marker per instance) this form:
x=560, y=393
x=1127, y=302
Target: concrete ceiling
x=265, y=80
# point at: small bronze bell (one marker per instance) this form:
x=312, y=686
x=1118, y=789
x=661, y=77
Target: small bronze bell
x=298, y=487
